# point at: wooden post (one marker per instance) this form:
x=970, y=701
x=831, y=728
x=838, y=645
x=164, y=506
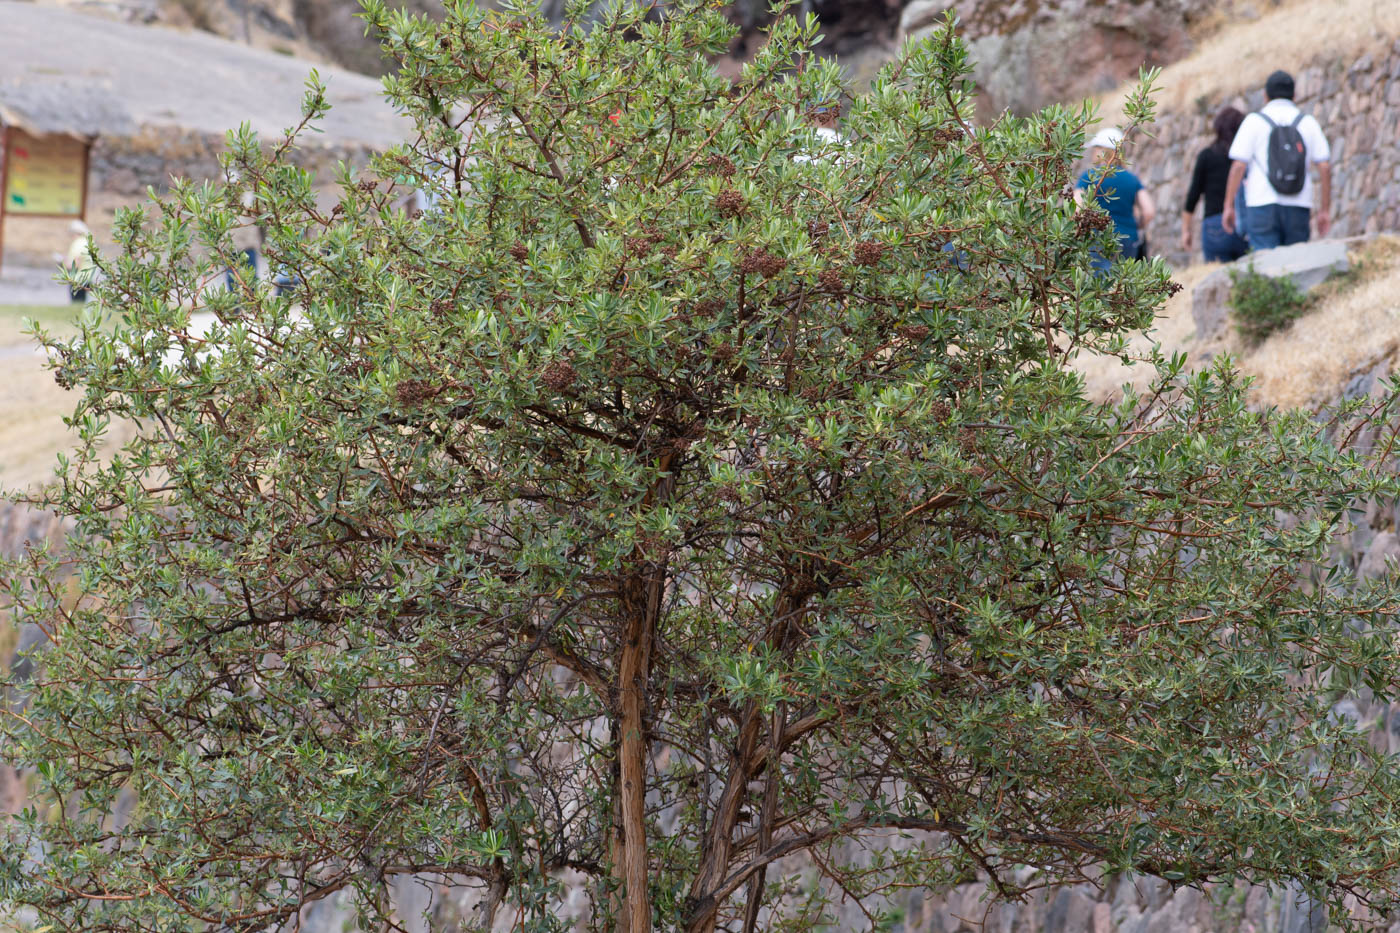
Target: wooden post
x=4, y=187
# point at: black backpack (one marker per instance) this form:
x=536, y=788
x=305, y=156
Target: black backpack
x=1288, y=156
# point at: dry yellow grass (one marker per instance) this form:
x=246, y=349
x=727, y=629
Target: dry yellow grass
x=1240, y=55
x=1104, y=376
x=1354, y=326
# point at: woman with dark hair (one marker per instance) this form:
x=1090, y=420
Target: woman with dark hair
x=1210, y=180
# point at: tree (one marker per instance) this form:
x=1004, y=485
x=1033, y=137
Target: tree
x=672, y=497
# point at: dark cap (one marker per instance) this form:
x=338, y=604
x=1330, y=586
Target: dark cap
x=1280, y=84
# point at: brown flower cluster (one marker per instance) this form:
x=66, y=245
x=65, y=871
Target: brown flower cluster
x=818, y=229
x=914, y=331
x=832, y=280
x=761, y=261
x=729, y=202
x=869, y=252
x=720, y=165
x=559, y=375
x=413, y=391
x=520, y=251
x=1090, y=220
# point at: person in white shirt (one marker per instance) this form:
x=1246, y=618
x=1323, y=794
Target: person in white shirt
x=1273, y=218
x=825, y=117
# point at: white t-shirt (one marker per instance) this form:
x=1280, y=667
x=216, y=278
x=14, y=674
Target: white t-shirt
x=829, y=141
x=1252, y=145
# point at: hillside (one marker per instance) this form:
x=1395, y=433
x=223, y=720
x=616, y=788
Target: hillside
x=1353, y=331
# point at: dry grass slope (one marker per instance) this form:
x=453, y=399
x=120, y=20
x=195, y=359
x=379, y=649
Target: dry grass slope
x=1239, y=55
x=1354, y=326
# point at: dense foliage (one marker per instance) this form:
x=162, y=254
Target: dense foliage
x=679, y=492
x=1261, y=304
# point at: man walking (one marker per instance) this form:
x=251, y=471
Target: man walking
x=1275, y=146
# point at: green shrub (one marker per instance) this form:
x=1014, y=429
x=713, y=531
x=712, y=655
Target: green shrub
x=674, y=494
x=1262, y=304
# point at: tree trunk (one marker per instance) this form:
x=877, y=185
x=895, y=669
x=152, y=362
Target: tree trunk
x=632, y=781
x=642, y=600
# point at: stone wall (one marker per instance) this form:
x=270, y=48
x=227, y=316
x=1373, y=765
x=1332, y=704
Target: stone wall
x=127, y=165
x=1358, y=104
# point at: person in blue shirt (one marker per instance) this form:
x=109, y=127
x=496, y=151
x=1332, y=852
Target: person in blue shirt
x=1120, y=193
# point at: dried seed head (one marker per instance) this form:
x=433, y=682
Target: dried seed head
x=761, y=261
x=868, y=252
x=441, y=306
x=729, y=202
x=559, y=375
x=721, y=166
x=914, y=332
x=413, y=391
x=940, y=411
x=639, y=245
x=725, y=352
x=832, y=280
x=818, y=229
x=520, y=251
x=709, y=307
x=416, y=214
x=368, y=185
x=1090, y=220
x=811, y=393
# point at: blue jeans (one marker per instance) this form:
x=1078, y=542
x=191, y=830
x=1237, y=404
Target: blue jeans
x=251, y=255
x=1218, y=245
x=1276, y=225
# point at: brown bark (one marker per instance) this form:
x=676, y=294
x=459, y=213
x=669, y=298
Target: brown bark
x=631, y=790
x=750, y=756
x=641, y=603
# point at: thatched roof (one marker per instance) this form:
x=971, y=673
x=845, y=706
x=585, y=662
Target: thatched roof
x=63, y=71
x=62, y=105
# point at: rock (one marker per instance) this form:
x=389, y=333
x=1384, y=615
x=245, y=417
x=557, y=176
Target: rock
x=921, y=15
x=1300, y=914
x=1103, y=918
x=1380, y=557
x=1071, y=912
x=1210, y=303
x=1309, y=264
x=1028, y=55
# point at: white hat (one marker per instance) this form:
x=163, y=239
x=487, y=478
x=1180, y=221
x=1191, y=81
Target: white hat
x=1109, y=138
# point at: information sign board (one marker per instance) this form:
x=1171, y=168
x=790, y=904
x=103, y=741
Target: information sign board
x=45, y=175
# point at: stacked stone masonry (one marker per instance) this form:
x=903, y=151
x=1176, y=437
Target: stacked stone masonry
x=1357, y=101
x=128, y=165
